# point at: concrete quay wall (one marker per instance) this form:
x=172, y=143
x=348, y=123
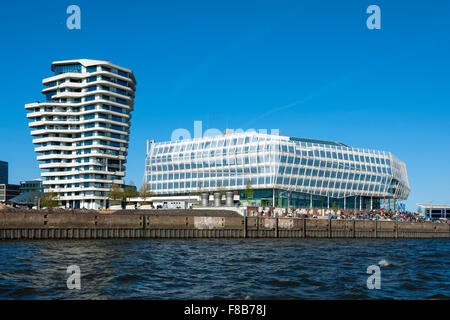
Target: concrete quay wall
x=47, y=225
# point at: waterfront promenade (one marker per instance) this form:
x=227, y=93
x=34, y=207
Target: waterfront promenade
x=200, y=224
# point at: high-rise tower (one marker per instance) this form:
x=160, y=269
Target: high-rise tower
x=82, y=130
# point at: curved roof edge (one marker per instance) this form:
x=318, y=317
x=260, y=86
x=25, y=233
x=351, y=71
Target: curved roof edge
x=90, y=62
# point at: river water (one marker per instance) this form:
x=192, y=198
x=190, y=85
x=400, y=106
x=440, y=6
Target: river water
x=226, y=269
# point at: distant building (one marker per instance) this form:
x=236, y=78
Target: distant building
x=8, y=191
x=130, y=186
x=34, y=186
x=436, y=211
x=3, y=172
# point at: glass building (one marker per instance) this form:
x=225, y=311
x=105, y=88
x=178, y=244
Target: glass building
x=34, y=186
x=436, y=211
x=8, y=191
x=3, y=172
x=82, y=130
x=283, y=171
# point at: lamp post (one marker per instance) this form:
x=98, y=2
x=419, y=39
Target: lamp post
x=288, y=196
x=38, y=199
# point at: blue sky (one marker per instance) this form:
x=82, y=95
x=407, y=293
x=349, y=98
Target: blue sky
x=309, y=68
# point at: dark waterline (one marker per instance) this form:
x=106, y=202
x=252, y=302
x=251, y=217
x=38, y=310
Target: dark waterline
x=225, y=269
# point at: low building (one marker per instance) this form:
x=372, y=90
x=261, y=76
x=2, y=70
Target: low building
x=436, y=211
x=8, y=191
x=34, y=186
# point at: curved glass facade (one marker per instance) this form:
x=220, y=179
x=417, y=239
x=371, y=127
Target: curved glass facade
x=282, y=170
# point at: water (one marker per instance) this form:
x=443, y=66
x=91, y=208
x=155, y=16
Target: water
x=226, y=269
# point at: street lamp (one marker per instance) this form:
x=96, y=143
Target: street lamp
x=38, y=199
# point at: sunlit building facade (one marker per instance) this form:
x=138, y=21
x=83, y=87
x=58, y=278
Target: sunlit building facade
x=283, y=171
x=82, y=130
x=436, y=211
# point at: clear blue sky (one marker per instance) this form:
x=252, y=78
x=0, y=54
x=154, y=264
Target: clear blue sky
x=310, y=68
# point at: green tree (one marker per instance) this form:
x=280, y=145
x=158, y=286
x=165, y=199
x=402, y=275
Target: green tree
x=146, y=191
x=122, y=194
x=49, y=200
x=116, y=193
x=248, y=192
x=335, y=206
x=130, y=192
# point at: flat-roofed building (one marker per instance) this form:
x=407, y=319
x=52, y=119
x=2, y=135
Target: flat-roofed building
x=34, y=186
x=436, y=211
x=8, y=191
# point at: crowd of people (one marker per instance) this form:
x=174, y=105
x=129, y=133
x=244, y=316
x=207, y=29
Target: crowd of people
x=379, y=214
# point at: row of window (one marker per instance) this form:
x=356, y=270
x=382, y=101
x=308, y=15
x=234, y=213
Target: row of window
x=77, y=68
x=245, y=163
x=272, y=149
x=104, y=97
x=308, y=173
x=259, y=141
x=88, y=160
x=86, y=126
x=88, y=151
x=333, y=186
x=105, y=88
x=81, y=109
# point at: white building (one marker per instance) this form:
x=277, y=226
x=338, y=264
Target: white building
x=82, y=130
x=435, y=211
x=283, y=171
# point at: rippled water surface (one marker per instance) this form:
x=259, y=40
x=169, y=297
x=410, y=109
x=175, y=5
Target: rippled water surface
x=225, y=269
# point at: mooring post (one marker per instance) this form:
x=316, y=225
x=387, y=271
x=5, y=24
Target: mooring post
x=276, y=227
x=376, y=227
x=329, y=226
x=354, y=228
x=245, y=224
x=396, y=229
x=304, y=227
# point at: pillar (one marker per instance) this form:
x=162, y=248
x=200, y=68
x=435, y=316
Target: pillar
x=205, y=199
x=273, y=195
x=276, y=227
x=245, y=223
x=217, y=199
x=229, y=197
